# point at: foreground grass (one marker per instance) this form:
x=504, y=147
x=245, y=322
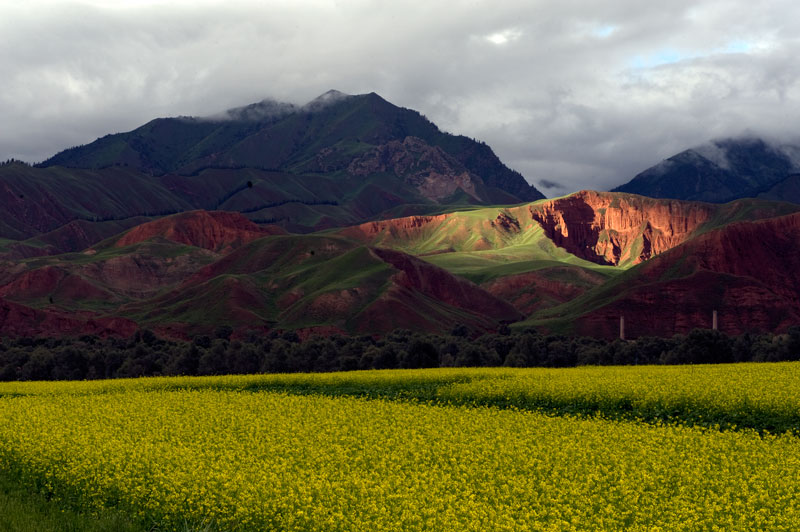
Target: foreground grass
x=24, y=510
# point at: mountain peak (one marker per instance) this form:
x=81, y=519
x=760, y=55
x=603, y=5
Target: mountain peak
x=327, y=137
x=323, y=100
x=719, y=171
x=266, y=109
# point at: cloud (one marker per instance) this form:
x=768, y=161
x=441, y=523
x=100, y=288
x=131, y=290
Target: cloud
x=504, y=37
x=547, y=184
x=581, y=93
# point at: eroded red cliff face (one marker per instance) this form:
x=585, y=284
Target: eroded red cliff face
x=745, y=271
x=601, y=227
x=213, y=230
x=613, y=228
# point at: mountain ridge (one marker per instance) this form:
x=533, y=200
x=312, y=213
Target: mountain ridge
x=337, y=161
x=350, y=214
x=330, y=128
x=720, y=171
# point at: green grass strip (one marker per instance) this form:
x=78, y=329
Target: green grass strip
x=23, y=510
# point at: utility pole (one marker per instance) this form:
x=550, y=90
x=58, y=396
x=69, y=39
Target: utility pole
x=622, y=327
x=714, y=320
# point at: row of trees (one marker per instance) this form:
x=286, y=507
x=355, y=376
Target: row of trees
x=11, y=161
x=90, y=357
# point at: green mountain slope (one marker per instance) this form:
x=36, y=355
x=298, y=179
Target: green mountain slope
x=337, y=161
x=322, y=137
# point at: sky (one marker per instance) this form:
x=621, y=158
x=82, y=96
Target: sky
x=573, y=94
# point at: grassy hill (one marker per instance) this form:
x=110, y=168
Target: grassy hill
x=570, y=264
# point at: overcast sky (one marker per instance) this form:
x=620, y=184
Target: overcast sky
x=573, y=94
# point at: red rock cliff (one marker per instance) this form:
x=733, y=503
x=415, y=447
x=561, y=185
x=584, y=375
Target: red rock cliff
x=746, y=271
x=613, y=228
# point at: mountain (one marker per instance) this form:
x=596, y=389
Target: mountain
x=723, y=170
x=785, y=190
x=338, y=160
x=352, y=215
x=334, y=134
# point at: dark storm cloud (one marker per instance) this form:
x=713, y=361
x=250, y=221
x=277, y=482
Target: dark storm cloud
x=580, y=93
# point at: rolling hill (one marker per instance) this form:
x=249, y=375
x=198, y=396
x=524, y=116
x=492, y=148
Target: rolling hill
x=571, y=264
x=188, y=273
x=548, y=253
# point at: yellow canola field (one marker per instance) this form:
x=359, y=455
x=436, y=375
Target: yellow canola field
x=269, y=461
x=708, y=392
x=757, y=395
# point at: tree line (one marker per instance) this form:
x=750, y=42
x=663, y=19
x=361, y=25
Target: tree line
x=145, y=354
x=11, y=161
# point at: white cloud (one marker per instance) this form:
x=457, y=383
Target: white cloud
x=504, y=37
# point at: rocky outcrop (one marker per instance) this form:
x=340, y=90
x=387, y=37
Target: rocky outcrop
x=601, y=227
x=434, y=173
x=213, y=230
x=745, y=271
x=608, y=228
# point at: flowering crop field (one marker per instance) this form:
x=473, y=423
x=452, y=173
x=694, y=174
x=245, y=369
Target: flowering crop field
x=761, y=396
x=295, y=452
